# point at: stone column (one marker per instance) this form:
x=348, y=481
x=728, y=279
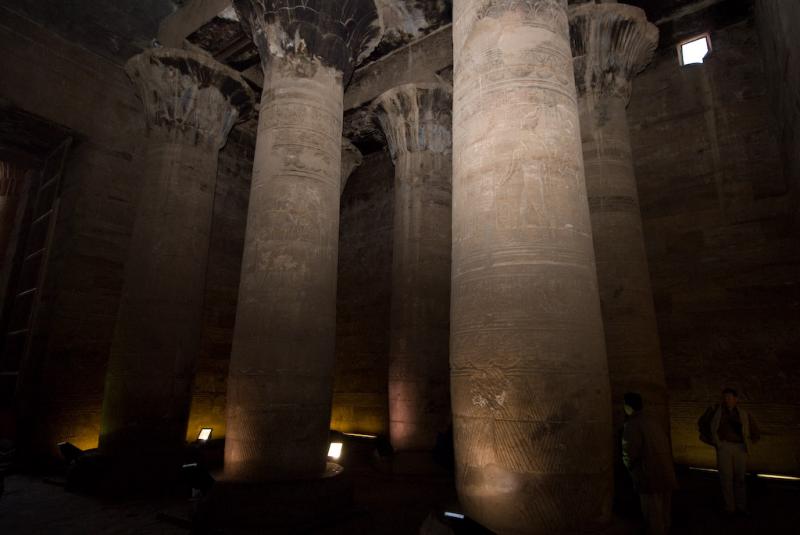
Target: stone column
x=417, y=119
x=613, y=42
x=529, y=377
x=351, y=159
x=280, y=380
x=190, y=104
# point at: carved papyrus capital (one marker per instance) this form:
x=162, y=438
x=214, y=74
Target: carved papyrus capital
x=188, y=96
x=340, y=34
x=611, y=43
x=416, y=117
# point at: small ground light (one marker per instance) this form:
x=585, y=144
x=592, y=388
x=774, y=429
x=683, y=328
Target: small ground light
x=335, y=450
x=204, y=435
x=454, y=515
x=777, y=476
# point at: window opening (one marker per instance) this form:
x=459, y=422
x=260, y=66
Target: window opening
x=694, y=50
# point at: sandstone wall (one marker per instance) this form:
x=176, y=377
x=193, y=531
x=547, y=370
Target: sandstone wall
x=724, y=262
x=49, y=77
x=360, y=398
x=778, y=23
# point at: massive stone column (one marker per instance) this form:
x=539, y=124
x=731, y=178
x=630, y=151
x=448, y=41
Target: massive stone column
x=190, y=104
x=611, y=43
x=416, y=119
x=529, y=377
x=280, y=380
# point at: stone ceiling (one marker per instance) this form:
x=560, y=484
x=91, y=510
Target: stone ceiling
x=117, y=29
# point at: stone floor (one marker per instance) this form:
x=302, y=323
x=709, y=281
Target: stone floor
x=386, y=503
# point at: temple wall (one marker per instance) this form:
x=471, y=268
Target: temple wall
x=724, y=263
x=65, y=84
x=778, y=23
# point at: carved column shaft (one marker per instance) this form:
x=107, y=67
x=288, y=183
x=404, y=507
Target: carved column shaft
x=612, y=43
x=280, y=379
x=529, y=379
x=190, y=103
x=281, y=368
x=417, y=121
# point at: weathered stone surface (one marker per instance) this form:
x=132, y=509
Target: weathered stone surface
x=339, y=35
x=188, y=97
x=417, y=121
x=616, y=42
x=281, y=370
x=418, y=62
x=611, y=43
x=351, y=159
x=190, y=106
x=529, y=377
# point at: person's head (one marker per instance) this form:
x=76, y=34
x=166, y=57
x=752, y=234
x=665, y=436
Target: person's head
x=632, y=403
x=730, y=397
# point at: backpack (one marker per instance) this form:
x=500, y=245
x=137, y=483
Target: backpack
x=704, y=425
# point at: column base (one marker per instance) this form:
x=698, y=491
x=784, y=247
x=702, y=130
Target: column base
x=276, y=506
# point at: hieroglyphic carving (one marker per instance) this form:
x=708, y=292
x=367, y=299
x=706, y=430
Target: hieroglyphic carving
x=281, y=370
x=528, y=372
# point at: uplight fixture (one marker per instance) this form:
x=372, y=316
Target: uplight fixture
x=204, y=435
x=335, y=450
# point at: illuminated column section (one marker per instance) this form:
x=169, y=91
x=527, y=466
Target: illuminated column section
x=612, y=43
x=280, y=380
x=190, y=104
x=529, y=377
x=351, y=160
x=417, y=120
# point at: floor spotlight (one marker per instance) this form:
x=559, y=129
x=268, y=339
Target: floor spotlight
x=335, y=450
x=204, y=435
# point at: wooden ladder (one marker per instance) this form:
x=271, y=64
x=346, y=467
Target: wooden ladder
x=31, y=271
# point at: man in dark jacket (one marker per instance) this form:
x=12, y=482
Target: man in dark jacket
x=732, y=431
x=647, y=454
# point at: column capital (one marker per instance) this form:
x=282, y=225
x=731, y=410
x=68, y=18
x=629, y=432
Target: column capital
x=351, y=159
x=188, y=96
x=611, y=43
x=416, y=117
x=338, y=34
